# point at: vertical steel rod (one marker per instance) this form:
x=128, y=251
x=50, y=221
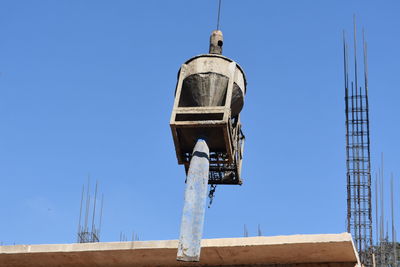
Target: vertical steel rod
x=393, y=228
x=80, y=214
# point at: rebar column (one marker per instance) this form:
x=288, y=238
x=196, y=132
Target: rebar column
x=192, y=222
x=358, y=156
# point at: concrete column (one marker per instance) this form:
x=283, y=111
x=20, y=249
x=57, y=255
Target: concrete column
x=195, y=204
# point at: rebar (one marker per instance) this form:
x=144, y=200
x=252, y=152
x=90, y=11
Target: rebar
x=359, y=210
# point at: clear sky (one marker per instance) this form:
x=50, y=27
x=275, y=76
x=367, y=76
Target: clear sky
x=86, y=87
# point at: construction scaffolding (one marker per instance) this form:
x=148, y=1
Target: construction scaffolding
x=359, y=211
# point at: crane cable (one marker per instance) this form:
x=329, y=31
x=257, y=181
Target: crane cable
x=219, y=12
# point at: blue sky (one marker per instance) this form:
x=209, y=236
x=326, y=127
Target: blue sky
x=86, y=87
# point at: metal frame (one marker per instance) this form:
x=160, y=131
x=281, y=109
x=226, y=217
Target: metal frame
x=221, y=162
